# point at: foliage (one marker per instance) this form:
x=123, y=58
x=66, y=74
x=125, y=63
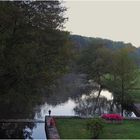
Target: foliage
x=95, y=126
x=14, y=105
x=123, y=76
x=124, y=69
x=94, y=61
x=135, y=95
x=33, y=47
x=82, y=42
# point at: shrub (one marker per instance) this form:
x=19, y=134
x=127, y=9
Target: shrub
x=116, y=117
x=95, y=126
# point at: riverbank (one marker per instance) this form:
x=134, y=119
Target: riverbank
x=135, y=93
x=75, y=128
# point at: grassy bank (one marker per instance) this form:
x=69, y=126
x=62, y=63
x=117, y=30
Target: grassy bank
x=135, y=94
x=76, y=129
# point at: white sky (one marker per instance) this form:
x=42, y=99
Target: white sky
x=115, y=20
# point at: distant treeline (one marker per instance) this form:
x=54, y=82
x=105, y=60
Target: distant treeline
x=81, y=42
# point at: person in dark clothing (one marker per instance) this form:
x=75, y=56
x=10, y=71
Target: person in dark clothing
x=49, y=112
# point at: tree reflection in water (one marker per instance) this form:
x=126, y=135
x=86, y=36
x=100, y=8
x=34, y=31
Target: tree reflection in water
x=69, y=86
x=16, y=130
x=85, y=105
x=18, y=106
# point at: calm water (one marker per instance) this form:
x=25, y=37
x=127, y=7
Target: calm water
x=83, y=106
x=72, y=95
x=68, y=108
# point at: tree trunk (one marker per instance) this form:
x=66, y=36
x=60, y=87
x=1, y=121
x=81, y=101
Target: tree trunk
x=122, y=98
x=96, y=101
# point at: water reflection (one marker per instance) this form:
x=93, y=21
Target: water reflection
x=87, y=105
x=63, y=95
x=84, y=106
x=22, y=131
x=63, y=109
x=69, y=86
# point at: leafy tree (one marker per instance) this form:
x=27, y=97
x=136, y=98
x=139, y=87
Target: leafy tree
x=95, y=62
x=123, y=73
x=33, y=47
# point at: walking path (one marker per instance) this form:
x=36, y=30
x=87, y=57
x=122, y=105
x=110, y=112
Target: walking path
x=50, y=128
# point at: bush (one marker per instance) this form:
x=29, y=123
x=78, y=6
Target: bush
x=116, y=117
x=95, y=126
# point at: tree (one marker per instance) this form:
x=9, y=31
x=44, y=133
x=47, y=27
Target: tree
x=33, y=47
x=122, y=75
x=113, y=70
x=95, y=62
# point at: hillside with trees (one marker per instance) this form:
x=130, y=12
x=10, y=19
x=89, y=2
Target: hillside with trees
x=82, y=42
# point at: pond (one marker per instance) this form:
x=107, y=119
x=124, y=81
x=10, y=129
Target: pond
x=83, y=106
x=70, y=95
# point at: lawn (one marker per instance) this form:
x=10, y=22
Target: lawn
x=76, y=129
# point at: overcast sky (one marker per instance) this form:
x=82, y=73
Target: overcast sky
x=115, y=20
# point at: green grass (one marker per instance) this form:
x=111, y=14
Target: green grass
x=135, y=94
x=126, y=130
x=76, y=129
x=138, y=80
x=72, y=129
